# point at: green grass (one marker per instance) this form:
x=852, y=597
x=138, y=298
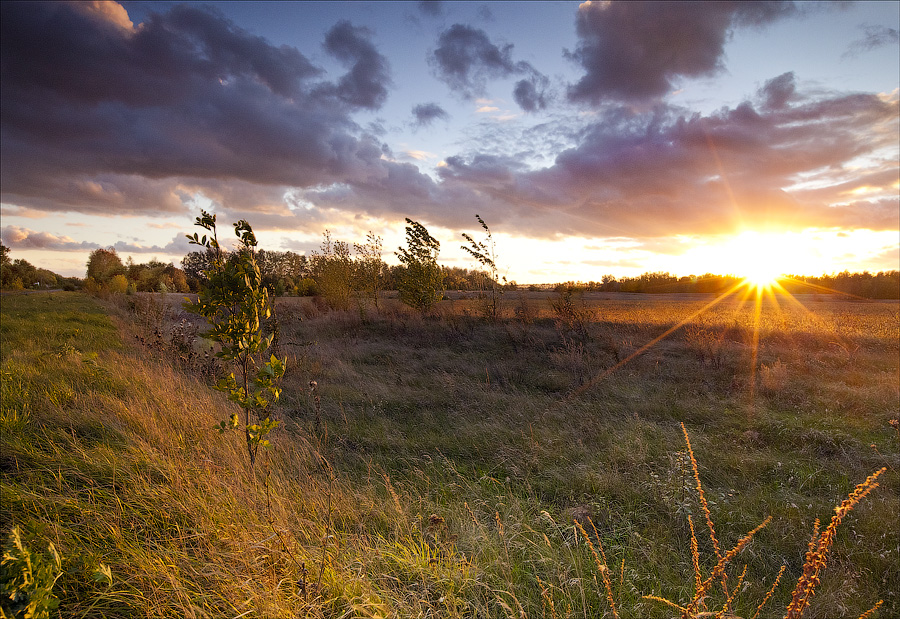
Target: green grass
x=461, y=451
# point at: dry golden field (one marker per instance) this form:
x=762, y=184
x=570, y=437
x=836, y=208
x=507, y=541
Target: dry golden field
x=449, y=465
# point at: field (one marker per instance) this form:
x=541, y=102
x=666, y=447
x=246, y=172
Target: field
x=453, y=466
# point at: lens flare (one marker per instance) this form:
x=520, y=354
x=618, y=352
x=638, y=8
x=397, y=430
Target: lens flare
x=761, y=275
x=760, y=258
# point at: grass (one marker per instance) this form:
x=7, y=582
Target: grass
x=463, y=455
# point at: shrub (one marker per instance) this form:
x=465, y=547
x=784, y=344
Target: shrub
x=421, y=284
x=334, y=272
x=118, y=284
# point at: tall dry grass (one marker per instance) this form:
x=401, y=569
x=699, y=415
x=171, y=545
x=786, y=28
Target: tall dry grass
x=454, y=476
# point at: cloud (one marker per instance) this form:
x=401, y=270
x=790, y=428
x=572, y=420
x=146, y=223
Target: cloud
x=482, y=169
x=786, y=158
x=427, y=113
x=112, y=12
x=23, y=238
x=178, y=246
x=794, y=162
x=531, y=94
x=431, y=8
x=101, y=118
x=636, y=51
x=419, y=155
x=465, y=59
x=875, y=37
x=8, y=210
x=366, y=84
x=778, y=91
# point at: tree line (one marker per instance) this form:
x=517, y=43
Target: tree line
x=341, y=273
x=880, y=285
x=20, y=274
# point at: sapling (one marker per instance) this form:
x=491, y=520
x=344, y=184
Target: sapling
x=485, y=252
x=235, y=303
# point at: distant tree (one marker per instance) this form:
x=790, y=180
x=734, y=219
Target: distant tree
x=281, y=270
x=25, y=272
x=7, y=276
x=178, y=279
x=608, y=283
x=103, y=265
x=333, y=272
x=370, y=268
x=90, y=285
x=45, y=278
x=421, y=283
x=196, y=264
x=297, y=266
x=456, y=278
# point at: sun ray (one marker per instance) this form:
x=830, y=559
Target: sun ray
x=654, y=341
x=763, y=288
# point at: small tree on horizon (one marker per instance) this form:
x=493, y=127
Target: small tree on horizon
x=103, y=265
x=334, y=272
x=485, y=252
x=370, y=267
x=421, y=284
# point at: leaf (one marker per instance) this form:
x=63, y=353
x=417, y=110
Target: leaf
x=103, y=574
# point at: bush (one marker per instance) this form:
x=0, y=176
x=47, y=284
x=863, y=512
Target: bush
x=91, y=286
x=118, y=284
x=306, y=287
x=421, y=284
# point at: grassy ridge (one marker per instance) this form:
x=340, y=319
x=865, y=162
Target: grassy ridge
x=457, y=457
x=109, y=455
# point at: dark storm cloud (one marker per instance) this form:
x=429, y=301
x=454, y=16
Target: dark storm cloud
x=99, y=116
x=427, y=113
x=465, y=59
x=635, y=51
x=60, y=48
x=875, y=37
x=366, y=84
x=665, y=172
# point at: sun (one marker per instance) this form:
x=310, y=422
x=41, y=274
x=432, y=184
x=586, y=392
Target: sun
x=759, y=258
x=762, y=275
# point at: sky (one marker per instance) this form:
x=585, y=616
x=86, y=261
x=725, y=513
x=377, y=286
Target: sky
x=593, y=138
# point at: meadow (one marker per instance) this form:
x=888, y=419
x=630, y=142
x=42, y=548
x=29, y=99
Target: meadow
x=448, y=465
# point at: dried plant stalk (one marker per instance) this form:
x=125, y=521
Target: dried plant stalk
x=817, y=559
